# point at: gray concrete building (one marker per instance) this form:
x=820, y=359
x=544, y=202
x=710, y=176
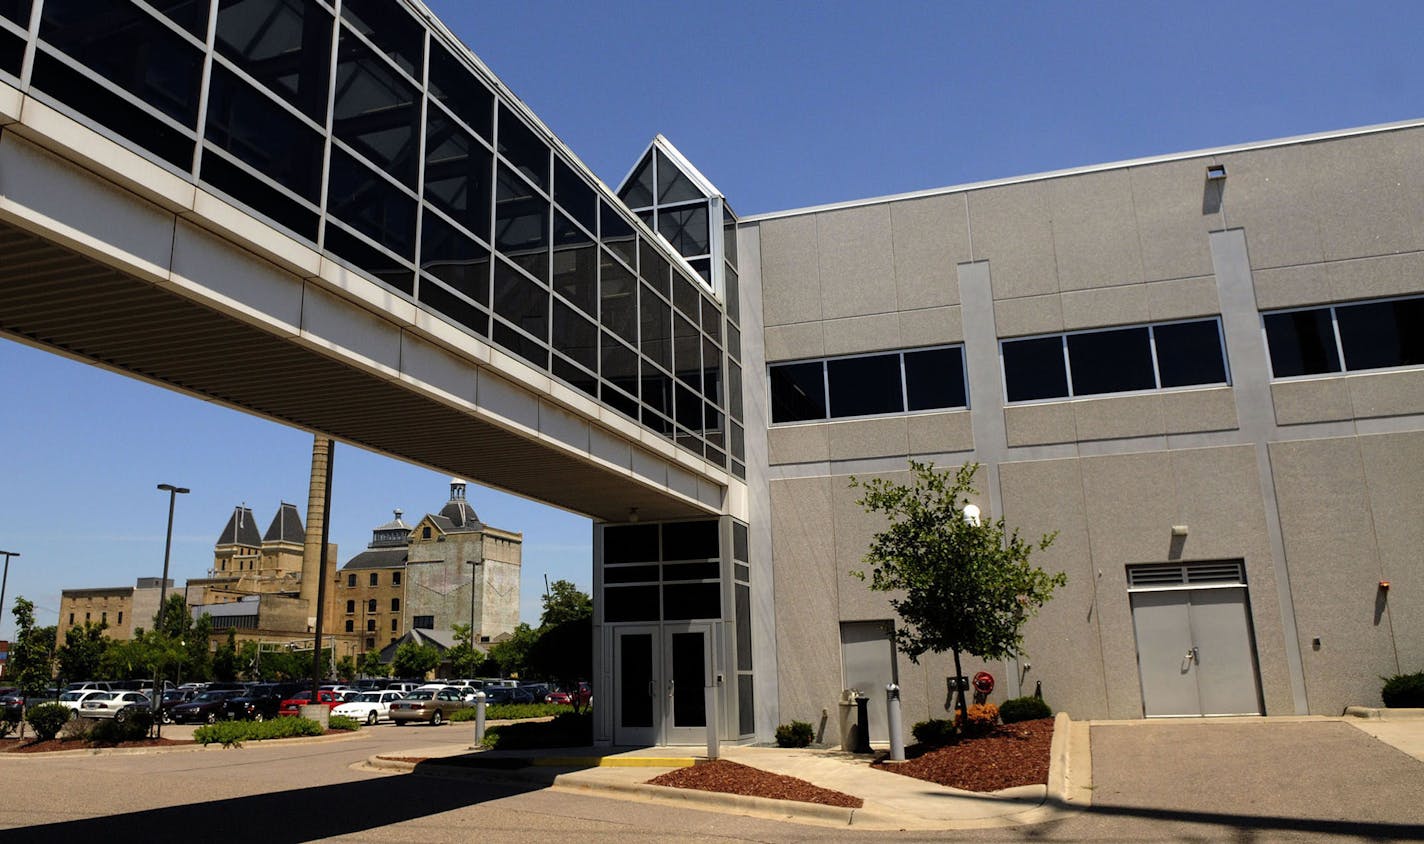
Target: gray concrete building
x=1203, y=370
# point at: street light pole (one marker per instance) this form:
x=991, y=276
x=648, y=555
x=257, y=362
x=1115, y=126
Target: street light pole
x=173, y=493
x=4, y=579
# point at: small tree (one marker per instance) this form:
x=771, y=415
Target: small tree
x=30, y=667
x=464, y=658
x=412, y=660
x=225, y=659
x=564, y=602
x=966, y=584
x=346, y=668
x=371, y=666
x=82, y=651
x=512, y=653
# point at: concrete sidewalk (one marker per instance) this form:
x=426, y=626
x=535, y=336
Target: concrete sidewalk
x=892, y=801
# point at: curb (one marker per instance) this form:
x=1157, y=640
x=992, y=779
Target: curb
x=764, y=807
x=1383, y=713
x=183, y=748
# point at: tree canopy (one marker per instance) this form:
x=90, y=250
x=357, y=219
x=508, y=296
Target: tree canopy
x=564, y=602
x=30, y=653
x=963, y=585
x=412, y=660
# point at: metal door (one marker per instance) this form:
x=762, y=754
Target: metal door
x=868, y=664
x=1195, y=652
x=687, y=673
x=636, y=711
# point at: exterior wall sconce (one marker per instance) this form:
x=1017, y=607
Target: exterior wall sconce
x=971, y=514
x=1384, y=585
x=1215, y=172
x=1179, y=530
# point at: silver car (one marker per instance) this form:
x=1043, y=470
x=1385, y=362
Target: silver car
x=108, y=704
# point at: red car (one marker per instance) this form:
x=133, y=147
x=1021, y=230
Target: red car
x=293, y=705
x=582, y=697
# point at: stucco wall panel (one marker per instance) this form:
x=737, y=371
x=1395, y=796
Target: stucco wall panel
x=796, y=341
x=798, y=444
x=790, y=270
x=1094, y=230
x=1040, y=424
x=938, y=433
x=1289, y=287
x=1028, y=315
x=1274, y=195
x=1393, y=465
x=1372, y=195
x=1196, y=411
x=1182, y=298
x=930, y=238
x=858, y=439
x=1386, y=275
x=1311, y=400
x=931, y=326
x=870, y=333
x=1119, y=417
x=1012, y=229
x=1173, y=217
x=1105, y=306
x=1387, y=393
x=857, y=268
x=807, y=625
x=1335, y=570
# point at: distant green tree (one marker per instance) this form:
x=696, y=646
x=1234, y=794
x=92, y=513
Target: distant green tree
x=225, y=659
x=512, y=653
x=248, y=657
x=128, y=659
x=564, y=602
x=564, y=654
x=346, y=668
x=371, y=666
x=174, y=619
x=463, y=658
x=412, y=660
x=29, y=667
x=199, y=664
x=83, y=650
x=963, y=585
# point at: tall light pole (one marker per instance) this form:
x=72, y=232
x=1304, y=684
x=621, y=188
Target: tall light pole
x=3, y=579
x=173, y=493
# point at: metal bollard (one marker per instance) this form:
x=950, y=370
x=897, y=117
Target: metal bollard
x=862, y=727
x=479, y=718
x=710, y=702
x=892, y=720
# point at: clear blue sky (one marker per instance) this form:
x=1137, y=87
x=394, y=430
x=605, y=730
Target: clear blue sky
x=781, y=105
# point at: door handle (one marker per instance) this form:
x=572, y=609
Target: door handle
x=651, y=690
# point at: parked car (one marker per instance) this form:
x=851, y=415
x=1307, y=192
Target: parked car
x=207, y=707
x=583, y=695
x=293, y=705
x=107, y=704
x=259, y=702
x=433, y=705
x=506, y=694
x=401, y=686
x=368, y=706
x=171, y=699
x=539, y=691
x=73, y=699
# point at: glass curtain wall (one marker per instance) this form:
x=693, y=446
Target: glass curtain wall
x=355, y=127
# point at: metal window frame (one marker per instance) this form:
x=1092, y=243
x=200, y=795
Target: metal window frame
x=1339, y=343
x=904, y=391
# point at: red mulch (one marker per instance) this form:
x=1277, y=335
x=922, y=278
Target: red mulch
x=32, y=746
x=1012, y=755
x=732, y=778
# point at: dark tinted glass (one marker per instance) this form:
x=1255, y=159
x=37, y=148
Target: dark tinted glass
x=576, y=376
x=656, y=326
x=457, y=174
x=219, y=173
x=284, y=44
x=712, y=371
x=618, y=299
x=192, y=15
x=638, y=192
x=654, y=421
x=456, y=88
x=472, y=317
x=798, y=392
x=631, y=574
x=12, y=53
x=657, y=389
x=1033, y=369
x=734, y=341
x=737, y=441
x=574, y=195
x=1189, y=353
x=575, y=336
x=687, y=352
x=1382, y=334
x=108, y=109
x=630, y=544
x=1301, y=343
x=521, y=223
x=1111, y=361
x=575, y=265
x=733, y=295
x=632, y=603
x=673, y=186
x=654, y=268
x=741, y=542
x=523, y=148
x=521, y=301
x=746, y=703
x=861, y=386
x=734, y=390
x=391, y=29
x=934, y=378
x=16, y=10
x=345, y=245
x=617, y=234
x=534, y=352
x=453, y=257
x=686, y=298
x=130, y=49
x=691, y=600
x=370, y=204
x=685, y=229
x=742, y=594
x=377, y=111
x=690, y=540
x=687, y=410
x=729, y=236
x=619, y=366
x=711, y=319
x=261, y=133
x=691, y=571
x=619, y=401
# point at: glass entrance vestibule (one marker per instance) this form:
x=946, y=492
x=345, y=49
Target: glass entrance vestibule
x=673, y=648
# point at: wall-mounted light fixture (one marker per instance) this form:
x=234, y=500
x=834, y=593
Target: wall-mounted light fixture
x=971, y=514
x=1179, y=530
x=1384, y=585
x=1215, y=172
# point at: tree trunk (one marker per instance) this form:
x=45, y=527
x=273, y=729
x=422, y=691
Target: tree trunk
x=959, y=692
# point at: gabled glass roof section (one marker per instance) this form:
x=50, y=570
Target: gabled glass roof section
x=679, y=203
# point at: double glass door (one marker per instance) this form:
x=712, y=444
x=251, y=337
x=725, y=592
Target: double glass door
x=661, y=672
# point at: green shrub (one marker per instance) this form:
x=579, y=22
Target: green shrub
x=568, y=729
x=47, y=719
x=342, y=722
x=512, y=711
x=935, y=732
x=6, y=727
x=132, y=727
x=1404, y=691
x=234, y=733
x=1024, y=709
x=795, y=734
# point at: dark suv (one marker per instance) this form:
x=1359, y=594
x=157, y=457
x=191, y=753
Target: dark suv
x=260, y=702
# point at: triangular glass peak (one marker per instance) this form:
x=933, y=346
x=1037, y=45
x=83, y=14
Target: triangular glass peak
x=681, y=205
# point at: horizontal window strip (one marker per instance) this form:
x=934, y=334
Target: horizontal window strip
x=899, y=381
x=1347, y=337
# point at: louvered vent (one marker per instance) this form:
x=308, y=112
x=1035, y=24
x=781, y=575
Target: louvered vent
x=1229, y=571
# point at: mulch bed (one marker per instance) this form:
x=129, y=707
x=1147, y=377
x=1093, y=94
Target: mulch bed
x=31, y=746
x=1012, y=755
x=732, y=778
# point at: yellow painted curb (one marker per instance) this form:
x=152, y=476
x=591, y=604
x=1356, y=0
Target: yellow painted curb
x=614, y=762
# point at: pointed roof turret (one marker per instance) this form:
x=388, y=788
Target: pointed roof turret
x=392, y=534
x=286, y=526
x=457, y=510
x=241, y=529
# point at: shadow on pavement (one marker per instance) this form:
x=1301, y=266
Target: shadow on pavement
x=283, y=816
x=1355, y=830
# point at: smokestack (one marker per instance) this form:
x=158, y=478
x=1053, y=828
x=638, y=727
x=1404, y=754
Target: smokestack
x=312, y=549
